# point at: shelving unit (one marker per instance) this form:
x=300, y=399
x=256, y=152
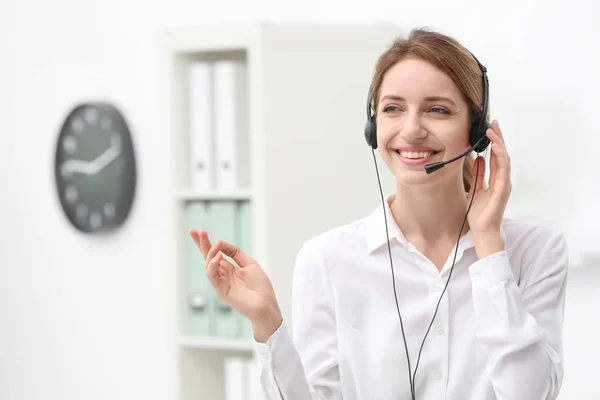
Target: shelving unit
x=310, y=168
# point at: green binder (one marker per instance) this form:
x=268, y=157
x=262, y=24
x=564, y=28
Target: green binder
x=243, y=239
x=199, y=292
x=222, y=215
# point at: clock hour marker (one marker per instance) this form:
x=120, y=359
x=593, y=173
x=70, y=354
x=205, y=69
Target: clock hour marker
x=65, y=172
x=82, y=211
x=69, y=144
x=77, y=125
x=91, y=116
x=115, y=139
x=95, y=220
x=105, y=123
x=71, y=194
x=109, y=210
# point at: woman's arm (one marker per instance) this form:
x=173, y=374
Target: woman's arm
x=307, y=367
x=520, y=325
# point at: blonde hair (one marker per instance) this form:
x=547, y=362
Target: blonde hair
x=447, y=54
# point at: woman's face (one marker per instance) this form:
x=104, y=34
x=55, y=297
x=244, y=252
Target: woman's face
x=421, y=118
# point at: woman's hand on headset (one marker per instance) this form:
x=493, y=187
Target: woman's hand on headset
x=487, y=211
x=245, y=287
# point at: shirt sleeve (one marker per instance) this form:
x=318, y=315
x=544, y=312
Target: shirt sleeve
x=520, y=325
x=305, y=368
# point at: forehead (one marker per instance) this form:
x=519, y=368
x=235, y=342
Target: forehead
x=417, y=78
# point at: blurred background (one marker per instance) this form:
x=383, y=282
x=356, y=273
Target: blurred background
x=93, y=317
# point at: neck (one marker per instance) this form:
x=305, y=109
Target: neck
x=432, y=213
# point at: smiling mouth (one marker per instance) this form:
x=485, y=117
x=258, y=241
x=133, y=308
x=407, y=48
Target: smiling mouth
x=415, y=155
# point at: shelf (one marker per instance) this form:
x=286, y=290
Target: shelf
x=194, y=194
x=283, y=150
x=208, y=343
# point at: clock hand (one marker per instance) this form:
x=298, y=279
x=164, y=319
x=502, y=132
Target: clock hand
x=96, y=165
x=83, y=167
x=105, y=158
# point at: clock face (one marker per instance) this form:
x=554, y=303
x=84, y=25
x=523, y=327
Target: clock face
x=95, y=168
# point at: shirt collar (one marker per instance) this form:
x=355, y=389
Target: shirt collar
x=376, y=233
x=375, y=226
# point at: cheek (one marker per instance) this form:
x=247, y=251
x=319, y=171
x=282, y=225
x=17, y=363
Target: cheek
x=386, y=130
x=454, y=137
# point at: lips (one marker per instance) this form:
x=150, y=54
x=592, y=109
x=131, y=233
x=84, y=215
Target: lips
x=416, y=155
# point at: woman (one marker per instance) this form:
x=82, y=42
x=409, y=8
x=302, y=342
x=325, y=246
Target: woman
x=493, y=332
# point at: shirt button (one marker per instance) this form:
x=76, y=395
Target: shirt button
x=439, y=375
x=440, y=331
x=439, y=287
x=477, y=276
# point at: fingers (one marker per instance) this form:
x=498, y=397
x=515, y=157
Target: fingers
x=498, y=147
x=237, y=254
x=501, y=178
x=214, y=251
x=479, y=172
x=201, y=239
x=497, y=133
x=212, y=269
x=230, y=250
x=217, y=269
x=500, y=160
x=496, y=128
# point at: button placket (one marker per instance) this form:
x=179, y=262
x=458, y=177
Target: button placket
x=440, y=329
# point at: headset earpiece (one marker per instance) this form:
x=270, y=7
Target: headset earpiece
x=477, y=137
x=477, y=133
x=371, y=124
x=371, y=133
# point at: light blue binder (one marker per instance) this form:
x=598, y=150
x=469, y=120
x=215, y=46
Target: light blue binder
x=198, y=291
x=222, y=215
x=243, y=239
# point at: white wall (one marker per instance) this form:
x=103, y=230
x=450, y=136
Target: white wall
x=92, y=318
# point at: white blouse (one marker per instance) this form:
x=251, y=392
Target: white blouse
x=497, y=333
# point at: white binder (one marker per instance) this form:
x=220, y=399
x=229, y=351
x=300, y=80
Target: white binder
x=201, y=149
x=235, y=378
x=231, y=125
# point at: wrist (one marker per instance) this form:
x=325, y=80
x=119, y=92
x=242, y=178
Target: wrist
x=266, y=325
x=488, y=243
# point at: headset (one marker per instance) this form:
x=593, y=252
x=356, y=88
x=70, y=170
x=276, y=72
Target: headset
x=479, y=142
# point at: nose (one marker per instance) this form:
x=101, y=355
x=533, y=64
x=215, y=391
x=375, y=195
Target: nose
x=412, y=129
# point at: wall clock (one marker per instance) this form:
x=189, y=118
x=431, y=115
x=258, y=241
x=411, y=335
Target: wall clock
x=95, y=168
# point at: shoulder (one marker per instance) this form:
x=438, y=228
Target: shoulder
x=531, y=238
x=537, y=250
x=341, y=239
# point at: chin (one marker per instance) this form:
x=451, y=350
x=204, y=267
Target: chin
x=414, y=178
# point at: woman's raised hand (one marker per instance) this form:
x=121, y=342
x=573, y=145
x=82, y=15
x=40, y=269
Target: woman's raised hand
x=245, y=287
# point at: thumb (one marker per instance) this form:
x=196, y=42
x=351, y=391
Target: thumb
x=231, y=250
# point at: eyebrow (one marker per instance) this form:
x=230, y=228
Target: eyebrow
x=428, y=98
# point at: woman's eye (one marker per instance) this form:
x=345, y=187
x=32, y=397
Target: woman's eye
x=439, y=110
x=388, y=109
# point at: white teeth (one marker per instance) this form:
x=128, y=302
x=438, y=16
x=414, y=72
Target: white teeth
x=416, y=154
